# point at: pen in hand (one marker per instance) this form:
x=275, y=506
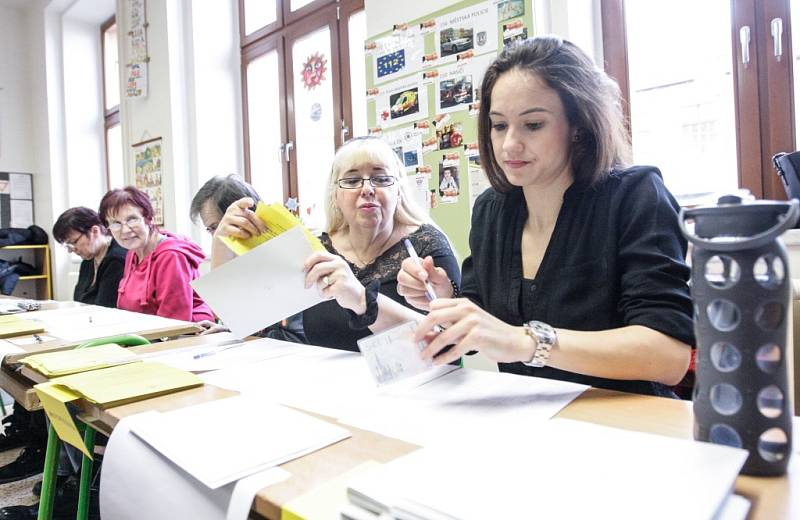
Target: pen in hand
x=430, y=293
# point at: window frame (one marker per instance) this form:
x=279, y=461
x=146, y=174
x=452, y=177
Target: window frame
x=762, y=89
x=111, y=117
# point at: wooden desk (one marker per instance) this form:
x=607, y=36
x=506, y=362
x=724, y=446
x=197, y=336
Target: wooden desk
x=772, y=498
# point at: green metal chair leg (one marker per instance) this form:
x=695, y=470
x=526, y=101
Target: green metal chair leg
x=86, y=475
x=3, y=406
x=49, y=478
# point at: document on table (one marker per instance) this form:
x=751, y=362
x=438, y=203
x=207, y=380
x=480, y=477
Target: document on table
x=575, y=470
x=262, y=287
x=154, y=487
x=7, y=348
x=246, y=435
x=229, y=354
x=12, y=325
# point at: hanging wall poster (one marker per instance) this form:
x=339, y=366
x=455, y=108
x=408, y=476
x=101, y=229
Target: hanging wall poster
x=396, y=55
x=137, y=51
x=402, y=102
x=147, y=155
x=467, y=32
x=508, y=9
x=449, y=178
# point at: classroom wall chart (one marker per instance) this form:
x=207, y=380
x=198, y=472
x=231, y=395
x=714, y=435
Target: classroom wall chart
x=423, y=95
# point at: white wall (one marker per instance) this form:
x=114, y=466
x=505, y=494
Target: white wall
x=15, y=97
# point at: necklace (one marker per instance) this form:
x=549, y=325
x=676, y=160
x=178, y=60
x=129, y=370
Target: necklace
x=380, y=250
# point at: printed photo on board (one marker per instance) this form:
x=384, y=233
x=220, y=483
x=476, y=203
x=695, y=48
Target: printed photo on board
x=455, y=40
x=456, y=91
x=404, y=103
x=450, y=135
x=448, y=183
x=510, y=9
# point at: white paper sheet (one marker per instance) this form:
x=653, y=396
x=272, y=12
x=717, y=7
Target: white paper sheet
x=21, y=213
x=91, y=321
x=735, y=508
x=7, y=348
x=138, y=482
x=21, y=187
x=226, y=355
x=475, y=401
x=261, y=287
x=265, y=435
x=569, y=469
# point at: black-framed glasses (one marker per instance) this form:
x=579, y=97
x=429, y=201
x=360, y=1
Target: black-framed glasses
x=70, y=245
x=377, y=181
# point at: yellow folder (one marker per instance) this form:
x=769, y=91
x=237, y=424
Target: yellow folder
x=278, y=219
x=55, y=364
x=108, y=387
x=13, y=326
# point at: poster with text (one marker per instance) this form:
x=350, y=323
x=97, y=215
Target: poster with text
x=407, y=144
x=466, y=33
x=147, y=172
x=396, y=55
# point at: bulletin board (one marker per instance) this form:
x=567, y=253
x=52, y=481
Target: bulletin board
x=423, y=91
x=16, y=200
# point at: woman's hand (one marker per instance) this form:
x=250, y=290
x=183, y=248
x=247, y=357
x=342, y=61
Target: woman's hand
x=335, y=280
x=411, y=282
x=239, y=221
x=211, y=327
x=471, y=328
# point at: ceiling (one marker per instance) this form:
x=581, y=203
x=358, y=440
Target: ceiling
x=90, y=11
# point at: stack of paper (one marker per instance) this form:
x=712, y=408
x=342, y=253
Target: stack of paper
x=11, y=326
x=81, y=360
x=278, y=220
x=569, y=470
x=244, y=435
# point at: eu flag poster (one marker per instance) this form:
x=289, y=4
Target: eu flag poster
x=391, y=63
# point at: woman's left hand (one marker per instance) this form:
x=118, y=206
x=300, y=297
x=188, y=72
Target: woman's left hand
x=335, y=280
x=470, y=328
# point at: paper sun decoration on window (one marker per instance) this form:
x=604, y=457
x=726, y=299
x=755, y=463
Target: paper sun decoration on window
x=314, y=71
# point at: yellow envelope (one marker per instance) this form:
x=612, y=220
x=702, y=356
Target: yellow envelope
x=54, y=399
x=53, y=364
x=277, y=219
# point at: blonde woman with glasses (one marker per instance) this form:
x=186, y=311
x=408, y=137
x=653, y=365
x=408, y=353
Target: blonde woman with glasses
x=369, y=212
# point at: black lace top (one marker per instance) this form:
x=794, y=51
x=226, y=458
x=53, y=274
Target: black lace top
x=326, y=324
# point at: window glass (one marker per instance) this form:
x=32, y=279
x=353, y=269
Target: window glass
x=263, y=115
x=259, y=13
x=111, y=66
x=357, y=30
x=681, y=92
x=116, y=170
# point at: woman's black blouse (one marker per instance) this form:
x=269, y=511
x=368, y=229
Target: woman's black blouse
x=326, y=324
x=109, y=273
x=615, y=258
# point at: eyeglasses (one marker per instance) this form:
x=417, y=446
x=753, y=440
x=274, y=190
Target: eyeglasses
x=71, y=245
x=115, y=225
x=377, y=181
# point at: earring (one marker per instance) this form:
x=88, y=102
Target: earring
x=576, y=137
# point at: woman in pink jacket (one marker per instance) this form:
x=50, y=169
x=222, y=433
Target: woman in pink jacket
x=159, y=265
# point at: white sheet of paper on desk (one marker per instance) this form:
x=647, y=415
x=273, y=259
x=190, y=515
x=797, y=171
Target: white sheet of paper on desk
x=229, y=354
x=261, y=435
x=464, y=400
x=576, y=470
x=262, y=287
x=393, y=354
x=154, y=487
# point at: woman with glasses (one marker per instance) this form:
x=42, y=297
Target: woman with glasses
x=159, y=265
x=81, y=231
x=369, y=212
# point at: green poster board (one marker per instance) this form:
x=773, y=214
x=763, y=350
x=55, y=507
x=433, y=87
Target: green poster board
x=423, y=92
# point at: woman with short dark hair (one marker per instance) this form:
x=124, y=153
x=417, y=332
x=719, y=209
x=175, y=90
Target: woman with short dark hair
x=82, y=232
x=159, y=266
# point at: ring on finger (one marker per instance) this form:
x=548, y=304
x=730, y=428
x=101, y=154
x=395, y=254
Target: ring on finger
x=327, y=281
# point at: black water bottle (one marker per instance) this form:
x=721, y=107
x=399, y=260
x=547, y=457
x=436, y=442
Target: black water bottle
x=741, y=290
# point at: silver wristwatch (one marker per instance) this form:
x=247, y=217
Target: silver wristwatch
x=545, y=337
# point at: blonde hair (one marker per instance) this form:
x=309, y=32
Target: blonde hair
x=370, y=149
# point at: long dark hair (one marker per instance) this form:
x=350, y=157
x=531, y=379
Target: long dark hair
x=591, y=102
